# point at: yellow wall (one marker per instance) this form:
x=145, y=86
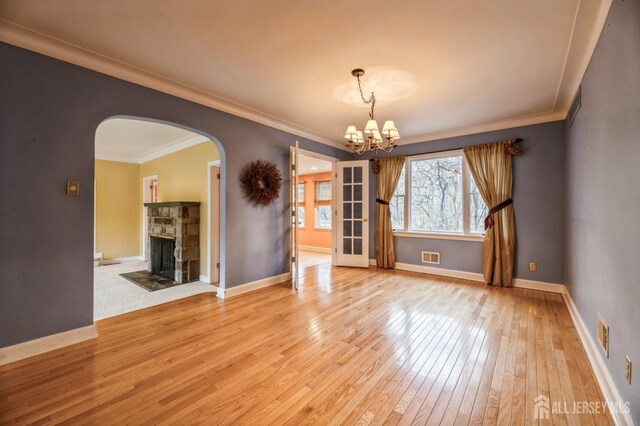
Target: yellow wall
x=182, y=176
x=118, y=209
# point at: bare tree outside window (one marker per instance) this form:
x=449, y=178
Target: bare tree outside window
x=478, y=209
x=436, y=195
x=323, y=217
x=396, y=204
x=430, y=190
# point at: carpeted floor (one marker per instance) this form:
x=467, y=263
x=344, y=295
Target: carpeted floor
x=114, y=295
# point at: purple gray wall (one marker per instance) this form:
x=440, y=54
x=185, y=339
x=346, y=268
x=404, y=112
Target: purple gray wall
x=603, y=195
x=48, y=118
x=538, y=196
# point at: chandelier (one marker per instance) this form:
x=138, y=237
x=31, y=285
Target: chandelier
x=356, y=140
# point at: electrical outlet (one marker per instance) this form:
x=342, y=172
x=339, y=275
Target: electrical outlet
x=627, y=370
x=533, y=266
x=603, y=335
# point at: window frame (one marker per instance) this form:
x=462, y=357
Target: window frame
x=466, y=233
x=317, y=201
x=302, y=225
x=301, y=203
x=315, y=218
x=302, y=184
x=322, y=203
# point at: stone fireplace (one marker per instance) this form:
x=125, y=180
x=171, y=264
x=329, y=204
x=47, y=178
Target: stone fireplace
x=174, y=240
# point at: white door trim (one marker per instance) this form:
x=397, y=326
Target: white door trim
x=213, y=221
x=143, y=229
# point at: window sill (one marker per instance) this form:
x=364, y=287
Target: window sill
x=322, y=229
x=413, y=234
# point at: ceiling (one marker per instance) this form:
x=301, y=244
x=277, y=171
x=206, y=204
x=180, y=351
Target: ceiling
x=439, y=67
x=310, y=165
x=136, y=141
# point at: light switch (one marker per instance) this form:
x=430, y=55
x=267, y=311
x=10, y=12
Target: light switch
x=73, y=187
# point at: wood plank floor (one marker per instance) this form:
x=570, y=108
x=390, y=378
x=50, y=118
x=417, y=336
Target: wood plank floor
x=312, y=258
x=352, y=346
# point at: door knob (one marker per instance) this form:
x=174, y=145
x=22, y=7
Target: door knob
x=365, y=219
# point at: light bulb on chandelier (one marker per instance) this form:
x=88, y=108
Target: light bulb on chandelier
x=371, y=139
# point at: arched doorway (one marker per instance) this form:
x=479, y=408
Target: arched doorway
x=159, y=214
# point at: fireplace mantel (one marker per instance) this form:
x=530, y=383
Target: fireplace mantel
x=174, y=204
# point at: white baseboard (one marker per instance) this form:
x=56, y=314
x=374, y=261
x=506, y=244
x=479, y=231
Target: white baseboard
x=46, y=344
x=539, y=285
x=607, y=385
x=314, y=248
x=474, y=276
x=254, y=285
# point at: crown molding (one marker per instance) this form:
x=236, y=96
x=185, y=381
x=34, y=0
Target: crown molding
x=26, y=38
x=116, y=158
x=588, y=24
x=587, y=27
x=169, y=148
x=487, y=127
x=175, y=146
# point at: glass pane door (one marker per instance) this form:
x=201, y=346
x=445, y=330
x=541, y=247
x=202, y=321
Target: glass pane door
x=353, y=212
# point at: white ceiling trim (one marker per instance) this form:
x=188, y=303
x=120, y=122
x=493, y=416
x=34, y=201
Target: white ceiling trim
x=166, y=149
x=41, y=43
x=117, y=158
x=50, y=46
x=487, y=127
x=175, y=146
x=575, y=64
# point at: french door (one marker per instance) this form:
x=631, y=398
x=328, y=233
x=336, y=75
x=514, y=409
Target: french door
x=293, y=190
x=352, y=213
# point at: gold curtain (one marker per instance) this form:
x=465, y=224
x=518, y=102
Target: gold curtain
x=387, y=178
x=490, y=166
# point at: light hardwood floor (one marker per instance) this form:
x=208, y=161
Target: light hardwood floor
x=313, y=258
x=352, y=346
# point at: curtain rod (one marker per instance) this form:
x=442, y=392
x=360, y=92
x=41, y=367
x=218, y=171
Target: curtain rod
x=517, y=140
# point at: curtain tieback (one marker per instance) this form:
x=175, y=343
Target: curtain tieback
x=383, y=202
x=488, y=221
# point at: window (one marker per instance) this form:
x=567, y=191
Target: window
x=436, y=194
x=323, y=217
x=301, y=193
x=323, y=204
x=323, y=191
x=300, y=208
x=397, y=204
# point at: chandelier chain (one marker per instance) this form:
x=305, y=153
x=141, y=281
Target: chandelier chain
x=371, y=139
x=372, y=99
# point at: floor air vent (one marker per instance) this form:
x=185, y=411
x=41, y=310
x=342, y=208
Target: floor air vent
x=430, y=257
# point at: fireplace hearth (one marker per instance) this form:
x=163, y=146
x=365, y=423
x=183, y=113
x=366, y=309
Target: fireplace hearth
x=173, y=245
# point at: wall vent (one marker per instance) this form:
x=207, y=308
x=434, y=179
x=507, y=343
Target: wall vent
x=575, y=106
x=431, y=257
